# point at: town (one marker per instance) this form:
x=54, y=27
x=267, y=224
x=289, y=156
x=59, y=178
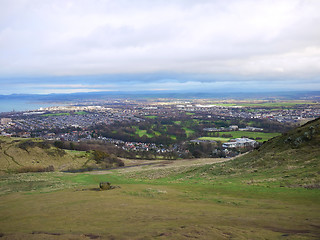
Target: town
x=164, y=127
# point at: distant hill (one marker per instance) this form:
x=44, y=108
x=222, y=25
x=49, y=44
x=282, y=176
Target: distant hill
x=81, y=96
x=291, y=160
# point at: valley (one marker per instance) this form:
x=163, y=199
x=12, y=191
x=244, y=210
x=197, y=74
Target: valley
x=259, y=195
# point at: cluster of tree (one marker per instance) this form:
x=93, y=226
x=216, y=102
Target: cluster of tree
x=113, y=150
x=27, y=169
x=215, y=150
x=104, y=154
x=155, y=133
x=106, y=160
x=202, y=149
x=267, y=125
x=272, y=126
x=25, y=145
x=90, y=145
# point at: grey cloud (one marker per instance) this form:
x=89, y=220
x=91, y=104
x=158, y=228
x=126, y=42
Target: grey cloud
x=243, y=37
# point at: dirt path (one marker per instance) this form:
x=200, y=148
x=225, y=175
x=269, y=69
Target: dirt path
x=12, y=158
x=165, y=164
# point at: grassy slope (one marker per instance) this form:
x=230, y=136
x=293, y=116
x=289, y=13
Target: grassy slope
x=166, y=208
x=13, y=158
x=256, y=196
x=288, y=160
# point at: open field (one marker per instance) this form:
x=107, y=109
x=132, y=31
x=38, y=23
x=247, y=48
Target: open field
x=268, y=104
x=167, y=206
x=151, y=117
x=221, y=139
x=142, y=132
x=269, y=193
x=54, y=114
x=188, y=131
x=262, y=135
x=81, y=113
x=277, y=104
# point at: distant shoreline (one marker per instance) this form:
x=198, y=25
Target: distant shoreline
x=17, y=105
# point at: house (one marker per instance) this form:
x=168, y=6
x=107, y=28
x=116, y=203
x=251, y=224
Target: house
x=5, y=121
x=233, y=128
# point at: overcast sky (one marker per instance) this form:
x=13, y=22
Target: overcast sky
x=99, y=45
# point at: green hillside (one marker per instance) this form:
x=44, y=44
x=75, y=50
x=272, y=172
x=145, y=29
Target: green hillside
x=25, y=155
x=300, y=148
x=289, y=160
x=270, y=193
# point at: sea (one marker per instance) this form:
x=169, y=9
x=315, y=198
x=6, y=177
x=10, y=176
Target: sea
x=18, y=105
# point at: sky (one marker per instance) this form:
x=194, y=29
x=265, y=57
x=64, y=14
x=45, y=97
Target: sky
x=67, y=46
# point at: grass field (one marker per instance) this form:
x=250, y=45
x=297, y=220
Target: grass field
x=268, y=104
x=81, y=113
x=151, y=117
x=188, y=131
x=54, y=114
x=269, y=193
x=173, y=137
x=239, y=134
x=153, y=203
x=277, y=104
x=221, y=139
x=227, y=104
x=141, y=132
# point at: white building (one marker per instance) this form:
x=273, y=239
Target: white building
x=240, y=143
x=5, y=121
x=233, y=127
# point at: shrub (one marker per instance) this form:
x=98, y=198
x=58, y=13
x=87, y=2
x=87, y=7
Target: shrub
x=108, y=160
x=26, y=169
x=58, y=144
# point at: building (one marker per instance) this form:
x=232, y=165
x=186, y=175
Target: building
x=233, y=127
x=230, y=145
x=5, y=121
x=251, y=129
x=240, y=143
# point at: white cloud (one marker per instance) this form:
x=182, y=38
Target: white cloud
x=276, y=38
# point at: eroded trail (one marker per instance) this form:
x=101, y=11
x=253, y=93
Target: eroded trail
x=9, y=159
x=162, y=164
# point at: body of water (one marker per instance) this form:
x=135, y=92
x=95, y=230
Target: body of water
x=17, y=105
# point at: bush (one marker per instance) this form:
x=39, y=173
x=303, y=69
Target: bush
x=56, y=152
x=108, y=160
x=58, y=144
x=31, y=144
x=26, y=169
